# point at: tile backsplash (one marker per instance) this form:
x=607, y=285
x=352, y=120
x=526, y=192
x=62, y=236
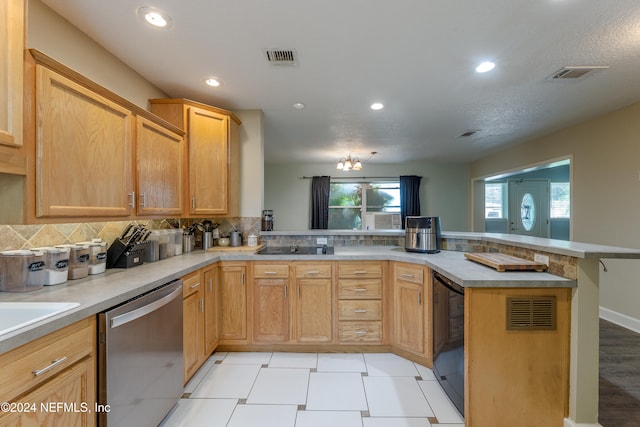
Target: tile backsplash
x=33, y=236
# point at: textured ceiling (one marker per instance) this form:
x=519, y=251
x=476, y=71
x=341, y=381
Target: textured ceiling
x=417, y=57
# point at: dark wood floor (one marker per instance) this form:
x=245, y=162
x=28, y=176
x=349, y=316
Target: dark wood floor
x=619, y=376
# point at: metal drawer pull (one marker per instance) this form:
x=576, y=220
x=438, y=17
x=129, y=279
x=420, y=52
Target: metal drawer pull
x=407, y=275
x=360, y=332
x=54, y=363
x=360, y=310
x=270, y=272
x=195, y=285
x=360, y=290
x=360, y=272
x=313, y=272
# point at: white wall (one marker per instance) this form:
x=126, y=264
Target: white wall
x=53, y=35
x=443, y=190
x=605, y=191
x=56, y=37
x=251, y=162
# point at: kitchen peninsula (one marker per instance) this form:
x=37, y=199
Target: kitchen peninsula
x=573, y=279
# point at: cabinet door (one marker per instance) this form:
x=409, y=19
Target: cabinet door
x=409, y=316
x=313, y=310
x=271, y=310
x=75, y=387
x=159, y=163
x=211, y=310
x=208, y=162
x=234, y=303
x=190, y=342
x=11, y=46
x=84, y=151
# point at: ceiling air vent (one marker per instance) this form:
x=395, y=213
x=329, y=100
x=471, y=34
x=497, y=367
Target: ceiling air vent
x=281, y=57
x=468, y=132
x=575, y=72
x=531, y=313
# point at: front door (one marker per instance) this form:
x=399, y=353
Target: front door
x=529, y=207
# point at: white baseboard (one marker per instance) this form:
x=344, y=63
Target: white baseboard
x=620, y=319
x=570, y=423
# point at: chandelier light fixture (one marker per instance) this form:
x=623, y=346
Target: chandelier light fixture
x=349, y=164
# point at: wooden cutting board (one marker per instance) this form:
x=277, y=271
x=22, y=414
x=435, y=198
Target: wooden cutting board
x=235, y=248
x=503, y=262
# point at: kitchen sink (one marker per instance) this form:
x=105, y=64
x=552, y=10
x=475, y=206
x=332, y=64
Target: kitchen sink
x=296, y=250
x=16, y=315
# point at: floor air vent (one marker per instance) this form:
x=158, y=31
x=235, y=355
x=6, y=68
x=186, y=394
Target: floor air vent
x=281, y=57
x=531, y=313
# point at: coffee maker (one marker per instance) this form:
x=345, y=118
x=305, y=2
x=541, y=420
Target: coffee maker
x=267, y=220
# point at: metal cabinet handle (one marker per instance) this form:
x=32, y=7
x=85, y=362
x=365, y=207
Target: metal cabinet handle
x=285, y=292
x=54, y=363
x=270, y=272
x=419, y=298
x=360, y=332
x=132, y=203
x=360, y=290
x=193, y=203
x=298, y=291
x=143, y=196
x=195, y=285
x=360, y=272
x=210, y=284
x=202, y=305
x=313, y=272
x=407, y=275
x=360, y=310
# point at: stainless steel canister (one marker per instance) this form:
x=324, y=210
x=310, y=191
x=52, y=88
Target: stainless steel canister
x=422, y=234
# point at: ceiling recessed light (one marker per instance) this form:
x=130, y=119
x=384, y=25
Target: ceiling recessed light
x=485, y=66
x=298, y=105
x=377, y=106
x=214, y=82
x=155, y=17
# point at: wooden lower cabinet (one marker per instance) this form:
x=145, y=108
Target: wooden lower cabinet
x=66, y=360
x=233, y=292
x=313, y=302
x=193, y=323
x=212, y=309
x=411, y=308
x=515, y=377
x=271, y=310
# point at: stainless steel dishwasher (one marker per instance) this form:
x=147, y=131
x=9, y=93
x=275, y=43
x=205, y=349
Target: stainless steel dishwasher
x=140, y=361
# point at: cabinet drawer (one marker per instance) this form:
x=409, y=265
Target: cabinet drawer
x=33, y=363
x=191, y=283
x=360, y=270
x=313, y=270
x=360, y=332
x=360, y=289
x=409, y=274
x=360, y=310
x=270, y=270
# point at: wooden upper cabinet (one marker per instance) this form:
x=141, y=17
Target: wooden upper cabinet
x=159, y=169
x=83, y=150
x=11, y=47
x=212, y=186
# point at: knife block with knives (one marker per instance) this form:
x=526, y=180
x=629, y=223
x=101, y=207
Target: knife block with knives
x=129, y=249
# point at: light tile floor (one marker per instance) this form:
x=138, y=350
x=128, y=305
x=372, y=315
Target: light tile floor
x=313, y=390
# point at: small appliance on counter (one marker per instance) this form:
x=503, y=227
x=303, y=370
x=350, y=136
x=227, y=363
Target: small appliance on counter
x=267, y=220
x=422, y=234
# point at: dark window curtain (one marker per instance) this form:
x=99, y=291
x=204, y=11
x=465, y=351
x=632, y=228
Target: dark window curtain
x=320, y=202
x=409, y=196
